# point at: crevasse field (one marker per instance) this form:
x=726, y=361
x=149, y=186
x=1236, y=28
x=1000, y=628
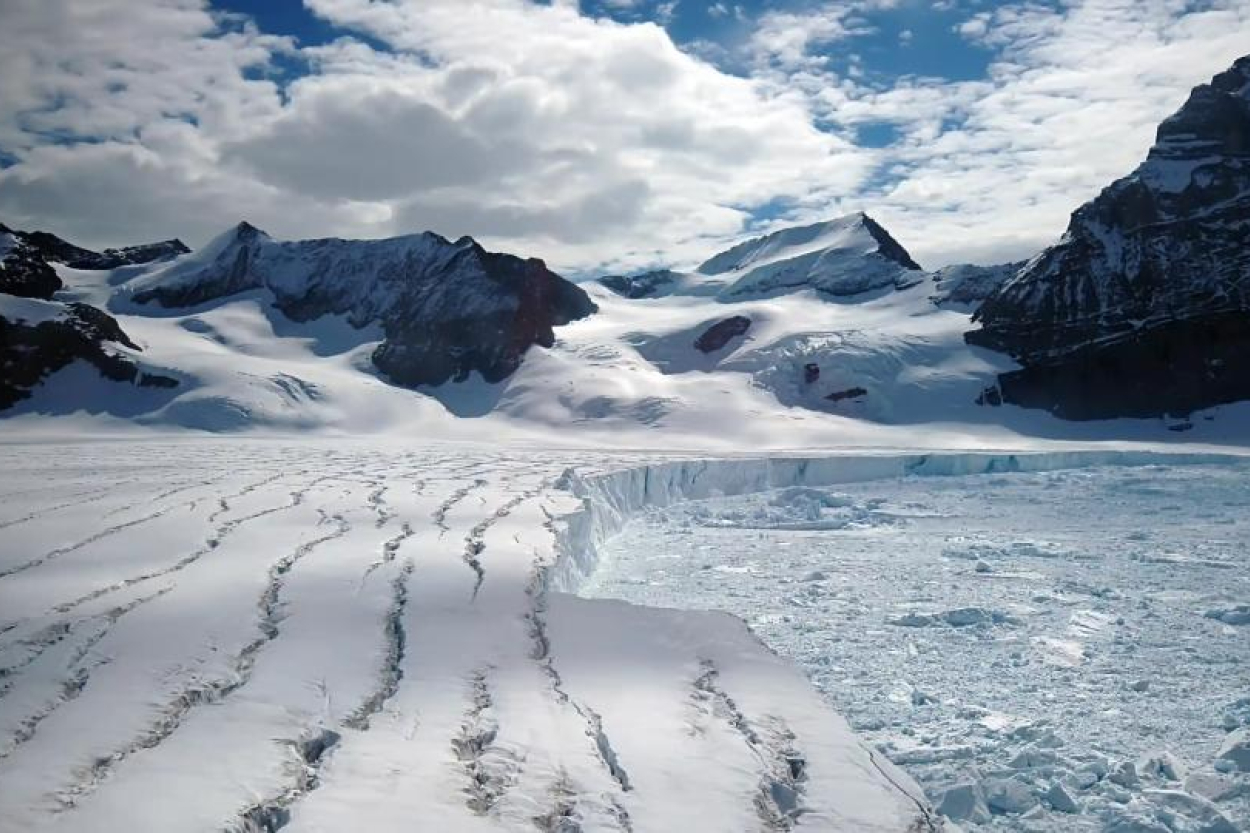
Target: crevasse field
x=1063, y=650
x=256, y=635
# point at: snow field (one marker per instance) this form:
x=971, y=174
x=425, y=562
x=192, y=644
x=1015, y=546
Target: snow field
x=249, y=635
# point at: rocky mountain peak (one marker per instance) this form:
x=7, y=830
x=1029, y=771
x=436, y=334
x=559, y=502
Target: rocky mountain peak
x=1143, y=307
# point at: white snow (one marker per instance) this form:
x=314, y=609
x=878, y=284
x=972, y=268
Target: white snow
x=30, y=311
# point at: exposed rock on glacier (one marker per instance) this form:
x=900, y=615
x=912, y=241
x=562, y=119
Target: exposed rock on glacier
x=721, y=333
x=643, y=285
x=1143, y=307
x=446, y=308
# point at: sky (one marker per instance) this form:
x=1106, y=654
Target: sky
x=600, y=135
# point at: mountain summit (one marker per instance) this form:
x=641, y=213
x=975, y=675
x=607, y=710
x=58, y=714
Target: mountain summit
x=844, y=256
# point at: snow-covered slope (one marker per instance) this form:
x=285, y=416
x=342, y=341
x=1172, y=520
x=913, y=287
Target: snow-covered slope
x=1143, y=307
x=843, y=257
x=208, y=635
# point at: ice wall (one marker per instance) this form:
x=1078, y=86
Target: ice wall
x=612, y=498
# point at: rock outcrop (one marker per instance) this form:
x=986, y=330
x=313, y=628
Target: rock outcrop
x=642, y=285
x=721, y=333
x=966, y=284
x=26, y=259
x=1143, y=307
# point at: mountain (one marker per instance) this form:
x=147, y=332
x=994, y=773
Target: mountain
x=446, y=309
x=26, y=259
x=846, y=256
x=1143, y=307
x=40, y=336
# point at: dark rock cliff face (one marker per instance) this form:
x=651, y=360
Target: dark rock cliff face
x=1143, y=308
x=446, y=308
x=29, y=352
x=25, y=272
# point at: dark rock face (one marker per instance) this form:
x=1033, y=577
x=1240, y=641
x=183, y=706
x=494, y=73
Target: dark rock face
x=24, y=271
x=888, y=247
x=643, y=285
x=1143, y=308
x=432, y=351
x=721, y=333
x=849, y=393
x=446, y=308
x=29, y=353
x=1170, y=370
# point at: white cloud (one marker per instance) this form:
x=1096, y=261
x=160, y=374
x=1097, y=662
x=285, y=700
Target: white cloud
x=990, y=170
x=588, y=142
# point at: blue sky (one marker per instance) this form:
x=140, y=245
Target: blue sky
x=600, y=134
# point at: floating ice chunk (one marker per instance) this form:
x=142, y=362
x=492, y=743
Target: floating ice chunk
x=1125, y=774
x=1009, y=796
x=965, y=802
x=1182, y=812
x=1235, y=615
x=1236, y=750
x=1059, y=800
x=960, y=617
x=1034, y=759
x=797, y=495
x=1213, y=786
x=1161, y=765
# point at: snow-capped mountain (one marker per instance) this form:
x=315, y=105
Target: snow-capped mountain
x=27, y=258
x=447, y=309
x=1143, y=307
x=805, y=333
x=842, y=257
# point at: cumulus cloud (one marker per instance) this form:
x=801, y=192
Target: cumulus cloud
x=593, y=143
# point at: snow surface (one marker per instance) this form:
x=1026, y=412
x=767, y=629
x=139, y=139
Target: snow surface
x=208, y=635
x=1058, y=651
x=30, y=311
